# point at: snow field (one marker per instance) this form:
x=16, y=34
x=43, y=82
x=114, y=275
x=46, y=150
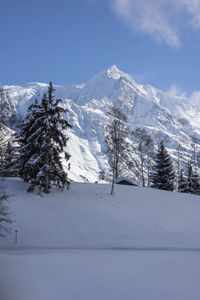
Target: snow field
x=84, y=244
x=99, y=274
x=87, y=216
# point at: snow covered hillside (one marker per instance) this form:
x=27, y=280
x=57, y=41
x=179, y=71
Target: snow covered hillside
x=87, y=216
x=160, y=115
x=84, y=243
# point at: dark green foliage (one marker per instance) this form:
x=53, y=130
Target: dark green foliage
x=190, y=184
x=102, y=175
x=11, y=160
x=163, y=173
x=42, y=141
x=6, y=152
x=5, y=215
x=182, y=182
x=6, y=108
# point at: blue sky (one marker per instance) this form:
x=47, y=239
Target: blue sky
x=68, y=41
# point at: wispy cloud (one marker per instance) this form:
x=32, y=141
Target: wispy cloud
x=196, y=97
x=176, y=90
x=161, y=19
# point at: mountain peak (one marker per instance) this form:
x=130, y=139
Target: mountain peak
x=114, y=73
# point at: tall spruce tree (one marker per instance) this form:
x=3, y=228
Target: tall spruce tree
x=140, y=148
x=182, y=182
x=191, y=182
x=42, y=142
x=6, y=107
x=5, y=214
x=5, y=143
x=10, y=159
x=163, y=173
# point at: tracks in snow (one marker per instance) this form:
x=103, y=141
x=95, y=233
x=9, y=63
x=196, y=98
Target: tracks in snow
x=113, y=203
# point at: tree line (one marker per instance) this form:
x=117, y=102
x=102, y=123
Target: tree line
x=160, y=169
x=37, y=151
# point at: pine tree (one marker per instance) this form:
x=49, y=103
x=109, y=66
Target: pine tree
x=42, y=142
x=5, y=214
x=27, y=147
x=140, y=148
x=182, y=182
x=5, y=142
x=10, y=160
x=2, y=160
x=102, y=175
x=163, y=173
x=6, y=108
x=191, y=184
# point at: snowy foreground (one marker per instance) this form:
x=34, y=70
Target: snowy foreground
x=85, y=244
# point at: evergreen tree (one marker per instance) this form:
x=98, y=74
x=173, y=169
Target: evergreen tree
x=179, y=173
x=140, y=148
x=2, y=161
x=5, y=144
x=5, y=215
x=182, y=182
x=163, y=173
x=6, y=108
x=28, y=146
x=10, y=160
x=42, y=141
x=191, y=183
x=102, y=175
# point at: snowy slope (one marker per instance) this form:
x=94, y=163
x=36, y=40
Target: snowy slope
x=84, y=243
x=88, y=216
x=162, y=116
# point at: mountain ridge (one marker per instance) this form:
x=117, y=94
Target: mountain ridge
x=160, y=115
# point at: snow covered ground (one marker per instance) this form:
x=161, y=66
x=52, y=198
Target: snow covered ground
x=86, y=244
x=99, y=275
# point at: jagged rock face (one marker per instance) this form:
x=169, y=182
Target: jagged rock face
x=160, y=115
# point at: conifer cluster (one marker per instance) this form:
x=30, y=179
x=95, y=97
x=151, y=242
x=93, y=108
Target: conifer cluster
x=42, y=141
x=5, y=214
x=163, y=173
x=190, y=182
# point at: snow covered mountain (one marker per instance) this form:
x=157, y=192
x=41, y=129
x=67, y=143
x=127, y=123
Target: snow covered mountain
x=160, y=115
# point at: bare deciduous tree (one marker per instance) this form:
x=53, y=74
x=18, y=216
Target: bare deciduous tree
x=116, y=143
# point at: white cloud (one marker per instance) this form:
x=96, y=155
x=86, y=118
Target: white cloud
x=175, y=90
x=196, y=97
x=192, y=7
x=160, y=19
